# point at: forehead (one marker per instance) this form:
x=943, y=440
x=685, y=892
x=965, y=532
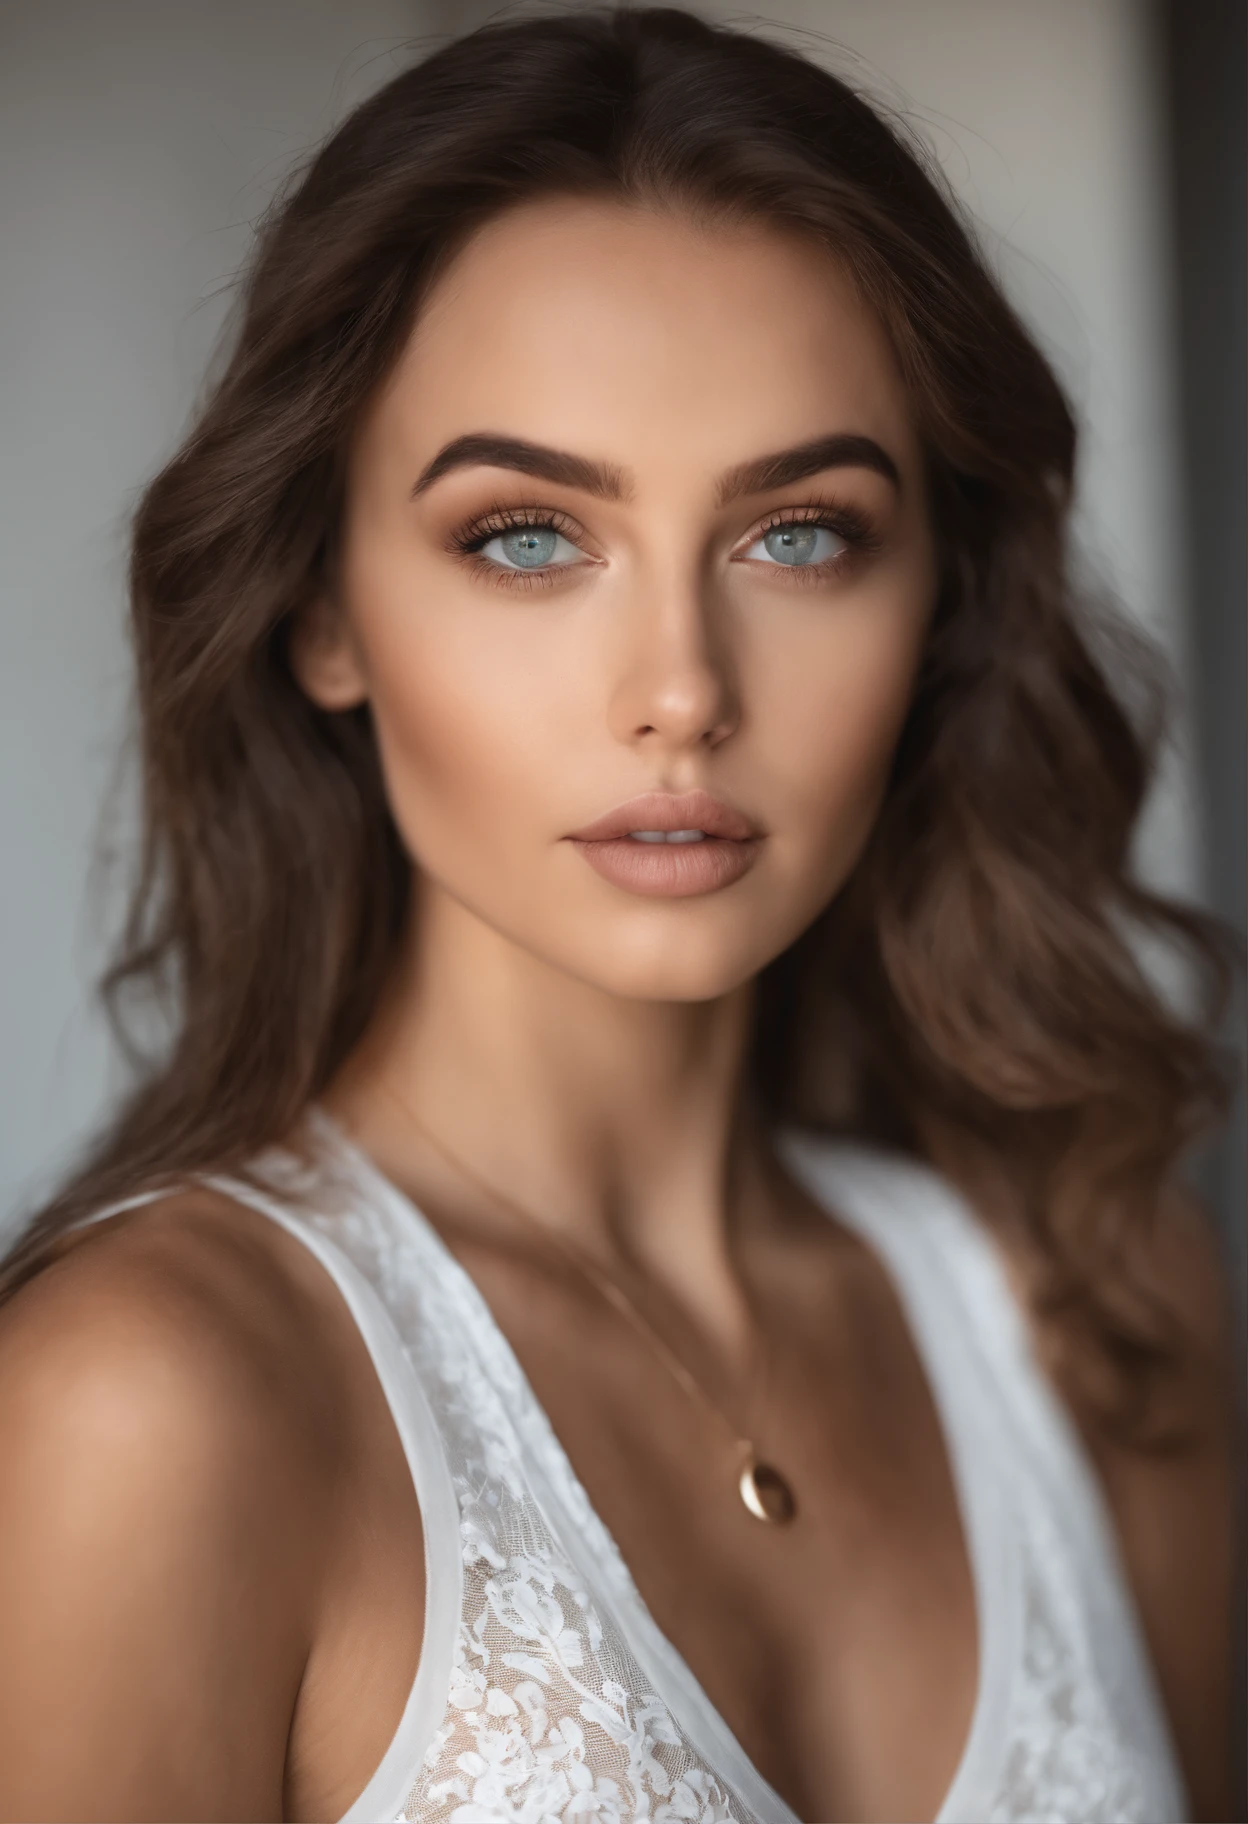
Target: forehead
x=634, y=332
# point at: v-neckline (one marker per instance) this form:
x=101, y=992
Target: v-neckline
x=985, y=1516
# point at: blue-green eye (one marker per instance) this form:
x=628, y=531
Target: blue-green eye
x=528, y=548
x=799, y=545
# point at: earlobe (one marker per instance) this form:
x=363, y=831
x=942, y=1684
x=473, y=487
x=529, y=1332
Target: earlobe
x=324, y=657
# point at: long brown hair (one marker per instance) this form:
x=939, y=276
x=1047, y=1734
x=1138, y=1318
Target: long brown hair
x=974, y=991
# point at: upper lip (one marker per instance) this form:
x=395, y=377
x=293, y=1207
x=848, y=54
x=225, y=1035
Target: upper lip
x=663, y=811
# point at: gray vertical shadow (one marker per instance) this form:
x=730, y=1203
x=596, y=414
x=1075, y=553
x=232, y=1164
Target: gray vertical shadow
x=1203, y=46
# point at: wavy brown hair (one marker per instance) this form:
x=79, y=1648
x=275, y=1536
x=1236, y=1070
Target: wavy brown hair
x=973, y=994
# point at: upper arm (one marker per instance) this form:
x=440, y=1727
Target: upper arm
x=153, y=1588
x=1177, y=1518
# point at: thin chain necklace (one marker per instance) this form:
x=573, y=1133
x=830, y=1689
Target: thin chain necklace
x=763, y=1490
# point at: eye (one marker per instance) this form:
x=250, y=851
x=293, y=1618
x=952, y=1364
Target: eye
x=797, y=545
x=528, y=547
x=520, y=546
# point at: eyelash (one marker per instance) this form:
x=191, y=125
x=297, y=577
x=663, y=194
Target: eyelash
x=845, y=522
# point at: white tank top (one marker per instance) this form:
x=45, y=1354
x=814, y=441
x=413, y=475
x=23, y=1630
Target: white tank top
x=545, y=1688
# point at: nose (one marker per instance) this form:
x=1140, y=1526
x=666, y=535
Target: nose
x=677, y=689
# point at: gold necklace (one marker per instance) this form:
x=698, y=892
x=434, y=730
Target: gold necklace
x=764, y=1491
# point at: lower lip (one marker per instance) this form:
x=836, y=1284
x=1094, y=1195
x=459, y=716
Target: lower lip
x=670, y=870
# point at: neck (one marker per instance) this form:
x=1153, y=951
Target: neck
x=623, y=1124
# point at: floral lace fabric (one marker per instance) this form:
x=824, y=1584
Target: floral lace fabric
x=1067, y=1754
x=539, y=1723
x=549, y=1714
x=566, y=1703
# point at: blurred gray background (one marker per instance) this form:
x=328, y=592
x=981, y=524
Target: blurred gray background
x=1099, y=142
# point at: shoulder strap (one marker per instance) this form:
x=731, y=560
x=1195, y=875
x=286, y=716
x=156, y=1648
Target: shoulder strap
x=122, y=1204
x=978, y=1342
x=418, y=1431
x=938, y=1252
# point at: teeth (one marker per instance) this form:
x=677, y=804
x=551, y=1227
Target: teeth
x=667, y=835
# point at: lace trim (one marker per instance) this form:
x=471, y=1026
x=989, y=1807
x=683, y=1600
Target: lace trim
x=560, y=1701
x=549, y=1713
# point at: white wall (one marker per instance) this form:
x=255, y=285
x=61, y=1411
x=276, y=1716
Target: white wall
x=139, y=138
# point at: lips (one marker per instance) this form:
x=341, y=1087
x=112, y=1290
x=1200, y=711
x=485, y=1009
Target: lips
x=665, y=811
x=727, y=848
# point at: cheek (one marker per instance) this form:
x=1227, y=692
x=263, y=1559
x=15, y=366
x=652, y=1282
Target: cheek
x=829, y=734
x=464, y=710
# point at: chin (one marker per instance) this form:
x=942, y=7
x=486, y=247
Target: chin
x=691, y=967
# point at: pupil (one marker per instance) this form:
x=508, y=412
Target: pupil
x=531, y=547
x=791, y=544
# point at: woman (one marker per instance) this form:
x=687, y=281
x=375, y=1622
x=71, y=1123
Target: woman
x=650, y=1280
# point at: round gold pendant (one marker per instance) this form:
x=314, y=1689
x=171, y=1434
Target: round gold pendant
x=766, y=1493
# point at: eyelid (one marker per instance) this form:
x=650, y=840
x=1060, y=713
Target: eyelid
x=504, y=516
x=856, y=529
x=849, y=523
x=467, y=541
x=511, y=516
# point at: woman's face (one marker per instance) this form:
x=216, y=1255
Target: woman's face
x=640, y=511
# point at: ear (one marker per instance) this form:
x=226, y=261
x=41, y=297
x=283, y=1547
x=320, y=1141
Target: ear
x=324, y=656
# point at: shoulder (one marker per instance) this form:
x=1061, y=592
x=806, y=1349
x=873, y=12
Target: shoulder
x=171, y=1312
x=1189, y=1263
x=163, y=1478
x=1185, y=1267
x=1174, y=1506
x=1177, y=1511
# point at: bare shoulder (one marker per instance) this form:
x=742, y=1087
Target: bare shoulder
x=163, y=1477
x=190, y=1313
x=1175, y=1509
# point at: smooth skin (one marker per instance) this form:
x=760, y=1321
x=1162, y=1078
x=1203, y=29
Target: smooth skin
x=211, y=1590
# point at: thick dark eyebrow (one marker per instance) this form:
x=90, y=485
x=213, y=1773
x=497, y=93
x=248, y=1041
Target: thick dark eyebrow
x=485, y=448
x=840, y=450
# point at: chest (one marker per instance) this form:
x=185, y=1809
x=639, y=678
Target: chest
x=840, y=1650
x=841, y=1647
x=615, y=1636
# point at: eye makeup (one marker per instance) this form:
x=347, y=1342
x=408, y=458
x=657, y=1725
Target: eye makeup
x=857, y=532
x=468, y=540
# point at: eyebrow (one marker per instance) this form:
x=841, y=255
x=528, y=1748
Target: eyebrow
x=489, y=449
